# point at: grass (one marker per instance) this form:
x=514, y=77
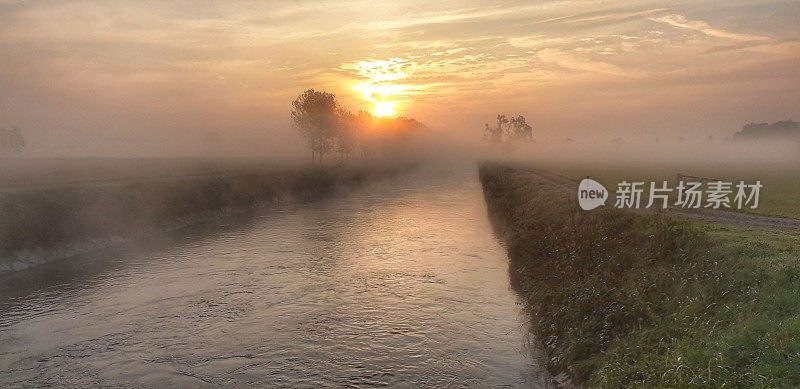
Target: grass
x=780, y=195
x=55, y=220
x=623, y=299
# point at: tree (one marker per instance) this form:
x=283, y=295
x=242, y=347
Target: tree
x=781, y=130
x=397, y=135
x=507, y=131
x=494, y=136
x=365, y=124
x=11, y=140
x=346, y=132
x=314, y=114
x=520, y=130
x=327, y=127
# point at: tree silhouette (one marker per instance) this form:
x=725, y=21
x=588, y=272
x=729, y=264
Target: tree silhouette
x=327, y=126
x=314, y=114
x=367, y=141
x=507, y=131
x=494, y=136
x=784, y=129
x=520, y=130
x=347, y=132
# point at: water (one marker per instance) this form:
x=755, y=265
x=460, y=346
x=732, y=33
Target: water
x=398, y=284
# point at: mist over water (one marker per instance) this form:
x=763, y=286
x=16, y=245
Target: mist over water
x=401, y=282
x=286, y=194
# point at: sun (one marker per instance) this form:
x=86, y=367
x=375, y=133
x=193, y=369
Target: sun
x=380, y=84
x=383, y=109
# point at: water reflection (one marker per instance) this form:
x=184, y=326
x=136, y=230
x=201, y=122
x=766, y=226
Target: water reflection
x=399, y=283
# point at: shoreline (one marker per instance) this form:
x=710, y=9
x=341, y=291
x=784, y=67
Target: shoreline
x=43, y=224
x=621, y=298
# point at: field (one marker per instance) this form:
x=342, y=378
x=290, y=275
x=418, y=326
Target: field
x=625, y=299
x=780, y=195
x=23, y=173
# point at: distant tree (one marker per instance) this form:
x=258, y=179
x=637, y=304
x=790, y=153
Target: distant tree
x=520, y=130
x=11, y=140
x=507, y=131
x=314, y=114
x=347, y=131
x=494, y=136
x=397, y=135
x=488, y=133
x=329, y=127
x=367, y=142
x=780, y=130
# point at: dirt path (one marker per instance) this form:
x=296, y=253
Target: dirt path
x=713, y=215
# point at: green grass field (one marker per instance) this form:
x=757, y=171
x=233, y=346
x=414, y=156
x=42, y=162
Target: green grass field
x=740, y=329
x=625, y=299
x=780, y=195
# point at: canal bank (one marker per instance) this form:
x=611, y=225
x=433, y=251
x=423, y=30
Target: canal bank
x=42, y=223
x=624, y=299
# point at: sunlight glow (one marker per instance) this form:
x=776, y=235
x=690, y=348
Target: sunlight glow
x=380, y=88
x=383, y=109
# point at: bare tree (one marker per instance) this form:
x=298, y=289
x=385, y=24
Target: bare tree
x=11, y=140
x=314, y=115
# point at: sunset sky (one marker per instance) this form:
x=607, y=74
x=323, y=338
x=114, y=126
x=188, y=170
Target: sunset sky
x=146, y=76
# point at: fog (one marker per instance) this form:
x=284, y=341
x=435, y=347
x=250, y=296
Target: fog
x=113, y=93
x=132, y=79
x=686, y=153
x=370, y=193
x=428, y=145
x=775, y=153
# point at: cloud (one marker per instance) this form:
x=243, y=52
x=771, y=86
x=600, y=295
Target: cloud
x=99, y=64
x=566, y=60
x=680, y=21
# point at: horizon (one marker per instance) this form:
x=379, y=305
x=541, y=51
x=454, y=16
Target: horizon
x=309, y=193
x=125, y=78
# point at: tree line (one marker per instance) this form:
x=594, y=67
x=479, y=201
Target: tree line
x=328, y=127
x=507, y=131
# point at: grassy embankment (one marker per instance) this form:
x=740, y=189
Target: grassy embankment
x=640, y=300
x=42, y=224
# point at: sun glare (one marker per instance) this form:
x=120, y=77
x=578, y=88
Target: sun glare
x=383, y=109
x=382, y=87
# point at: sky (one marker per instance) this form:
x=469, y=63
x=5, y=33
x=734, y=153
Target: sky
x=152, y=77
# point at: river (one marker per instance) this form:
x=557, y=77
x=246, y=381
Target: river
x=397, y=283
